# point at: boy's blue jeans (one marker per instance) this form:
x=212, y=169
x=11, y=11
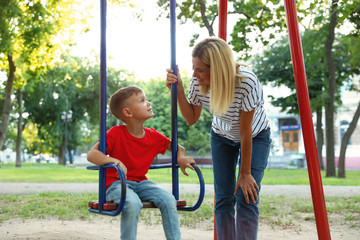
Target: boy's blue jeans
x=225, y=156
x=144, y=191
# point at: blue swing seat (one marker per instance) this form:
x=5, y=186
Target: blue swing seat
x=113, y=209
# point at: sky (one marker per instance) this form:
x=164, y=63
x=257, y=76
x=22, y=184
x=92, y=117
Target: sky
x=142, y=47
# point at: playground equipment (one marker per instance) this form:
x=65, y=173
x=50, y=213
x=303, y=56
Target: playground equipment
x=112, y=209
x=303, y=101
x=302, y=92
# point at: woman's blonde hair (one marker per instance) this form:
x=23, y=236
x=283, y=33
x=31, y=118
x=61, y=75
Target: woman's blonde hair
x=224, y=72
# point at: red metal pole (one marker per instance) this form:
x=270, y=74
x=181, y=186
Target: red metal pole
x=222, y=19
x=222, y=35
x=306, y=122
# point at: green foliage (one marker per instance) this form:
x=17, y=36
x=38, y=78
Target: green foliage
x=27, y=29
x=253, y=19
x=274, y=66
x=29, y=35
x=191, y=10
x=256, y=17
x=71, y=84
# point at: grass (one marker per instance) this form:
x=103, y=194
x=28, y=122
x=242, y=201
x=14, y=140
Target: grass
x=54, y=173
x=45, y=205
x=301, y=177
x=45, y=173
x=284, y=212
x=275, y=211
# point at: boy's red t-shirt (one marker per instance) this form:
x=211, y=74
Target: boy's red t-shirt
x=137, y=154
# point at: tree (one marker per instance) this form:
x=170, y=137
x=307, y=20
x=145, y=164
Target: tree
x=330, y=109
x=352, y=41
x=252, y=20
x=338, y=17
x=345, y=141
x=316, y=55
x=19, y=128
x=70, y=84
x=274, y=66
x=27, y=29
x=20, y=25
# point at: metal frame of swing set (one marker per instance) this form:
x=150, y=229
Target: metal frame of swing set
x=111, y=209
x=304, y=108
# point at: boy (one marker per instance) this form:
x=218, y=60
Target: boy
x=133, y=147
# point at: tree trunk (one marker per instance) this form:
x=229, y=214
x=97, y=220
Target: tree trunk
x=19, y=129
x=7, y=101
x=319, y=136
x=330, y=109
x=204, y=18
x=62, y=153
x=345, y=142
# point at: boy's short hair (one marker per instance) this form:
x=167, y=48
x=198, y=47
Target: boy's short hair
x=118, y=100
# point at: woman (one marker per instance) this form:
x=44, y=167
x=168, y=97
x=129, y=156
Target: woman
x=240, y=133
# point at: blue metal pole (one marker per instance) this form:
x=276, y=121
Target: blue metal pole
x=102, y=146
x=174, y=135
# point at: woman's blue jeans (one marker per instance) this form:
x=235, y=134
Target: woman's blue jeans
x=225, y=156
x=147, y=191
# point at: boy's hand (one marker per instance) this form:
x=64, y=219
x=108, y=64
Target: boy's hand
x=185, y=162
x=120, y=164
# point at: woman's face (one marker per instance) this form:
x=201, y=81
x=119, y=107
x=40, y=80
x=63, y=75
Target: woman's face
x=201, y=72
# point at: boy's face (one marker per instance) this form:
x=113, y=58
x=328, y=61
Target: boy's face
x=140, y=107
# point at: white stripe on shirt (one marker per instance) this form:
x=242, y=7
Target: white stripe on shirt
x=247, y=96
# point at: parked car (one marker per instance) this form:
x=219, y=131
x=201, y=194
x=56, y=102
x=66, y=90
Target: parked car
x=44, y=158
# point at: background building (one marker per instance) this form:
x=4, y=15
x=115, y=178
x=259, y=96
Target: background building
x=287, y=146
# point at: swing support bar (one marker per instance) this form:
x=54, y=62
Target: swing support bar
x=174, y=123
x=306, y=121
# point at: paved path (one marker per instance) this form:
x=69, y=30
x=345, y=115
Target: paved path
x=291, y=191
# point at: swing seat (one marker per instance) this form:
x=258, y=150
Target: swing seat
x=179, y=203
x=110, y=206
x=112, y=209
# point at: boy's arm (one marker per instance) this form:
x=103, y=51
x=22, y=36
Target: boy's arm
x=97, y=157
x=183, y=160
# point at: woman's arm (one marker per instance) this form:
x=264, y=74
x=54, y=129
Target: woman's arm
x=97, y=157
x=246, y=181
x=190, y=112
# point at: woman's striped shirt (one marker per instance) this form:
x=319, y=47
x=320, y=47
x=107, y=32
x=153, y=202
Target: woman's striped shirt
x=247, y=96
